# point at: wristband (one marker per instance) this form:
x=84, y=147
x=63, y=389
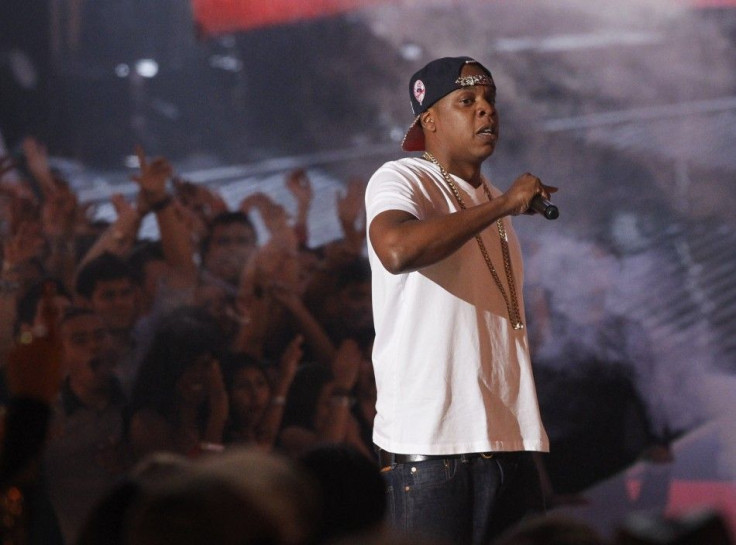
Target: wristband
x=160, y=205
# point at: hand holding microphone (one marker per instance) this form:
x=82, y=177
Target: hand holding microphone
x=542, y=206
x=528, y=183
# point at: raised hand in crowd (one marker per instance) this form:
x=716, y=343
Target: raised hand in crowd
x=267, y=429
x=346, y=371
x=60, y=215
x=351, y=212
x=203, y=201
x=120, y=236
x=272, y=283
x=274, y=216
x=319, y=405
x=37, y=161
x=323, y=349
x=298, y=183
x=217, y=402
x=346, y=366
x=260, y=317
x=152, y=181
x=176, y=238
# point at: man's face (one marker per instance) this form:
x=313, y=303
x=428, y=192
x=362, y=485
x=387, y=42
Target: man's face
x=229, y=249
x=116, y=303
x=87, y=348
x=466, y=120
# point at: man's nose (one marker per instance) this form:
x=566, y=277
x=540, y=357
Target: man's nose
x=485, y=108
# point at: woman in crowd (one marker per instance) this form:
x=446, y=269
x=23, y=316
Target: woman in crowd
x=257, y=398
x=319, y=403
x=179, y=402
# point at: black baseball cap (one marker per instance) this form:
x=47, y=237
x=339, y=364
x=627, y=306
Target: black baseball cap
x=437, y=79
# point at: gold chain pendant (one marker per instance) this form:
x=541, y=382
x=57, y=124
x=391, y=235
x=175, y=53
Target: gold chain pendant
x=511, y=299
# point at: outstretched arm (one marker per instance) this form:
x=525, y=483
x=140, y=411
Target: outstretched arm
x=404, y=243
x=269, y=425
x=120, y=236
x=300, y=186
x=351, y=213
x=175, y=237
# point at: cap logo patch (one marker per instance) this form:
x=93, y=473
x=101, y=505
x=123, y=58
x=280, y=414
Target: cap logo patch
x=469, y=81
x=419, y=91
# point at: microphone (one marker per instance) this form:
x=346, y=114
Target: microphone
x=543, y=206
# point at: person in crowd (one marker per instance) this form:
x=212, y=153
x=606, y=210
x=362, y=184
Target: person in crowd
x=108, y=286
x=179, y=401
x=148, y=263
x=198, y=510
x=354, y=492
x=257, y=398
x=119, y=295
x=85, y=451
x=230, y=243
x=109, y=520
x=29, y=318
x=29, y=314
x=33, y=373
x=293, y=502
x=345, y=310
x=319, y=403
x=272, y=288
x=143, y=292
x=457, y=412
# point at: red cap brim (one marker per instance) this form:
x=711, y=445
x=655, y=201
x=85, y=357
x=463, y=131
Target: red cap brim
x=414, y=138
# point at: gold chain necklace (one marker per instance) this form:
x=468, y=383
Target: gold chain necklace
x=511, y=300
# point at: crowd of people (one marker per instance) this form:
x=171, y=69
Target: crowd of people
x=202, y=340
x=203, y=387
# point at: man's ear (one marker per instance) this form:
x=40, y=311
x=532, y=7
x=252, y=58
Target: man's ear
x=427, y=121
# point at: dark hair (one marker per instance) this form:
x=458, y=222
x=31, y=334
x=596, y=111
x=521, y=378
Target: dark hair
x=202, y=508
x=102, y=268
x=356, y=271
x=301, y=401
x=107, y=521
x=233, y=362
x=225, y=218
x=179, y=339
x=144, y=253
x=352, y=487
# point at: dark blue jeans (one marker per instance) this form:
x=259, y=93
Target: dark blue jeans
x=462, y=502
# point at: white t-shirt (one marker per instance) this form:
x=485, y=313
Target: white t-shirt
x=452, y=374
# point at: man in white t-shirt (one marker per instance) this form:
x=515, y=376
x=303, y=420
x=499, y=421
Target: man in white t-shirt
x=457, y=413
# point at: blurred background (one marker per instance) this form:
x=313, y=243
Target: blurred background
x=628, y=106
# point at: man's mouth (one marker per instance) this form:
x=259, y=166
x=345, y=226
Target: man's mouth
x=488, y=130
